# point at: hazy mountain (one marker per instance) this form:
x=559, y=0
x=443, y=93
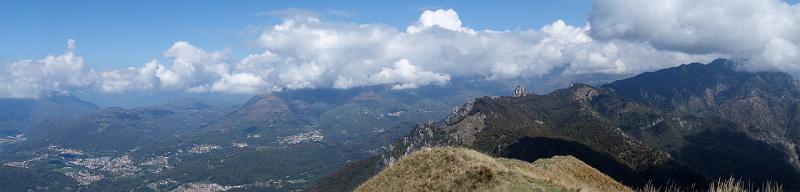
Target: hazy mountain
x=144, y=98
x=274, y=141
x=284, y=140
x=98, y=146
x=117, y=129
x=19, y=115
x=685, y=125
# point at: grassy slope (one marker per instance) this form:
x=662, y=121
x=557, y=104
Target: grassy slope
x=459, y=169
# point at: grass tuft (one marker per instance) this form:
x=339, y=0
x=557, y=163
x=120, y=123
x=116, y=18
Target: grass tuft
x=726, y=185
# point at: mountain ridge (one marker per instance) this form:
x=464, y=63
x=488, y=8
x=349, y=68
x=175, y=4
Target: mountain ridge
x=20, y=115
x=459, y=169
x=645, y=128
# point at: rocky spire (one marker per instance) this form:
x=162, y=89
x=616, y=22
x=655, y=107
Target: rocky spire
x=520, y=91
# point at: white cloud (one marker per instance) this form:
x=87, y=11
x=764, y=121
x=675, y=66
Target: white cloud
x=403, y=75
x=147, y=77
x=258, y=63
x=445, y=19
x=239, y=83
x=192, y=68
x=778, y=54
x=742, y=28
x=29, y=78
x=305, y=75
x=307, y=52
x=344, y=55
x=71, y=45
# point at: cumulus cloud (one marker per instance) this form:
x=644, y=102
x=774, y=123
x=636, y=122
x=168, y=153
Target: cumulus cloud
x=764, y=31
x=310, y=52
x=29, y=78
x=445, y=19
x=192, y=69
x=239, y=83
x=403, y=75
x=304, y=51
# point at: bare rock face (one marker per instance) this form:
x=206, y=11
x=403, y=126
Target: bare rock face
x=583, y=92
x=457, y=129
x=520, y=91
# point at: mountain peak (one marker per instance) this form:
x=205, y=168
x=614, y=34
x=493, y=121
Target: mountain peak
x=521, y=91
x=723, y=63
x=263, y=106
x=65, y=98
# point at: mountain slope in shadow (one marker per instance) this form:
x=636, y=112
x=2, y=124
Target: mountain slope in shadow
x=686, y=125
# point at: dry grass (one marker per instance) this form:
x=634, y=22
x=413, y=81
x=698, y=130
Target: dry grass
x=568, y=173
x=736, y=185
x=727, y=185
x=649, y=187
x=446, y=169
x=458, y=169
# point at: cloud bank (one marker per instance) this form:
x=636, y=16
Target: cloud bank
x=766, y=32
x=305, y=51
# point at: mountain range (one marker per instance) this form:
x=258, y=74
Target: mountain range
x=686, y=125
x=275, y=141
x=18, y=115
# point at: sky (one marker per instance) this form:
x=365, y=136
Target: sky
x=247, y=47
x=116, y=34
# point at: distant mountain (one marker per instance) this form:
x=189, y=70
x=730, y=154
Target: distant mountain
x=685, y=125
x=279, y=141
x=275, y=141
x=99, y=146
x=289, y=139
x=748, y=120
x=292, y=138
x=19, y=115
x=458, y=169
x=118, y=130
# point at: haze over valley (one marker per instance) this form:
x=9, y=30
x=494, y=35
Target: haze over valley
x=587, y=95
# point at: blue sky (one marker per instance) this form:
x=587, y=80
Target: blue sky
x=113, y=34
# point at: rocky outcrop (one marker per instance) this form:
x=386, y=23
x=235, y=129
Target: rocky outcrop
x=458, y=129
x=520, y=91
